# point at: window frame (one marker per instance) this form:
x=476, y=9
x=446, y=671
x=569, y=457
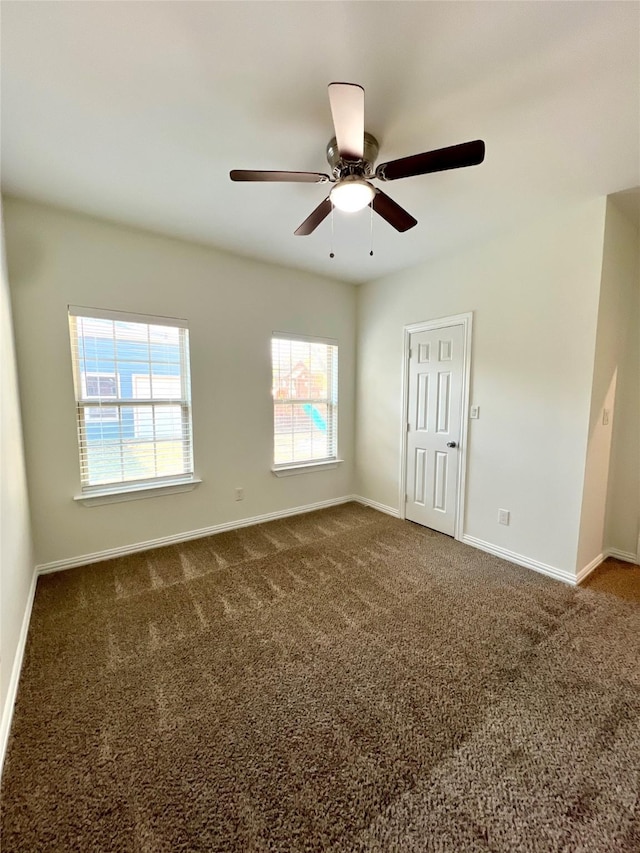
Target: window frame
x=331, y=400
x=125, y=489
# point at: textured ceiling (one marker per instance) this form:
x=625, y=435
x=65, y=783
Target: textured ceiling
x=137, y=112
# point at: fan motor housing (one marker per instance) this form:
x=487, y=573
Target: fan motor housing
x=340, y=167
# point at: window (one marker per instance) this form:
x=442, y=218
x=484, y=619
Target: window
x=133, y=399
x=305, y=400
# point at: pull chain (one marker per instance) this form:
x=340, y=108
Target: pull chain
x=331, y=254
x=371, y=252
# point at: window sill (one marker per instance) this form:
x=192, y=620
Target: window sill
x=136, y=493
x=306, y=468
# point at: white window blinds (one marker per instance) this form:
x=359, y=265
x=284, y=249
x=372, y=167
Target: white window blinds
x=305, y=399
x=133, y=398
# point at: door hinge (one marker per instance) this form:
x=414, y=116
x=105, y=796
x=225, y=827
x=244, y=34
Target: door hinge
x=408, y=426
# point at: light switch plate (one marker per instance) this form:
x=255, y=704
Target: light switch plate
x=474, y=412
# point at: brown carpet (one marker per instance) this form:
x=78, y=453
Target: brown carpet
x=337, y=681
x=618, y=578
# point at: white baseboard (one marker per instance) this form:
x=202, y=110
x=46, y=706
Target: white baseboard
x=585, y=571
x=124, y=550
x=625, y=556
x=389, y=510
x=520, y=560
x=543, y=568
x=7, y=711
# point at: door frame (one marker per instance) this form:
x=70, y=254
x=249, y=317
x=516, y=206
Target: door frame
x=466, y=321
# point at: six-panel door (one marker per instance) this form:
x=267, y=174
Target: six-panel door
x=434, y=412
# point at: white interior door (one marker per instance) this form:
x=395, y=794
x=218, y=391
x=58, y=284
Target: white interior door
x=434, y=423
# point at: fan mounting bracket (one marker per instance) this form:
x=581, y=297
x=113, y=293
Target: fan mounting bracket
x=340, y=168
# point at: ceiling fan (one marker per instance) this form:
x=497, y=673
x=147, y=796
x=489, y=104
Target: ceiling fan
x=352, y=154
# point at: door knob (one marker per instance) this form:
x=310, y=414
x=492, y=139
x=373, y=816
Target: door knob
x=451, y=444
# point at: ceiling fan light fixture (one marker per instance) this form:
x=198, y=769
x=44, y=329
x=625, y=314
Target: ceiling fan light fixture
x=351, y=194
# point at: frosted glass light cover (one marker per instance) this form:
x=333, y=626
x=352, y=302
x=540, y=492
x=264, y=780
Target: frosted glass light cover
x=352, y=195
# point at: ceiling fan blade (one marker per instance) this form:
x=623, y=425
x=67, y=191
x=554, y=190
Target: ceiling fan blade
x=315, y=218
x=390, y=210
x=296, y=177
x=454, y=157
x=347, y=111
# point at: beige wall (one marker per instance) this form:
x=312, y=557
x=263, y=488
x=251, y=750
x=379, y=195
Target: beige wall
x=534, y=295
x=621, y=271
x=233, y=305
x=16, y=564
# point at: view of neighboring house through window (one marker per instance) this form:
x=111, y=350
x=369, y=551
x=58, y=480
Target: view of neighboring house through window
x=101, y=387
x=133, y=398
x=305, y=399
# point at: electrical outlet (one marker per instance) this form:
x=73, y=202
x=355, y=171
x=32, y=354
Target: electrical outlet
x=239, y=494
x=474, y=412
x=605, y=417
x=503, y=516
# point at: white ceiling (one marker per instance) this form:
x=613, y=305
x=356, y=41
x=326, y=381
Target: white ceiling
x=137, y=111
